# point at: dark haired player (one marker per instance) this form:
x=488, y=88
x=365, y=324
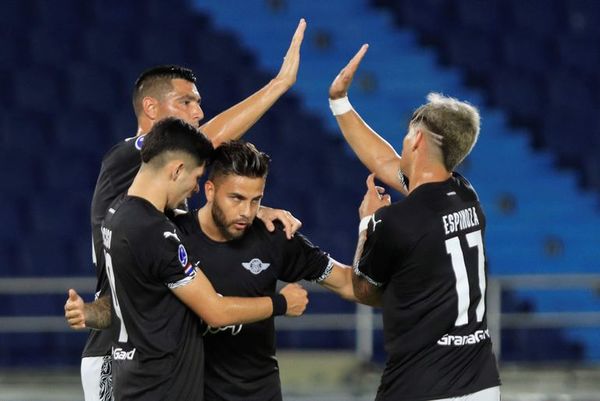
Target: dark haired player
x=165, y=91
x=157, y=353
x=241, y=257
x=423, y=258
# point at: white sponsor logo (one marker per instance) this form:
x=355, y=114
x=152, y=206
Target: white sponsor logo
x=120, y=355
x=235, y=329
x=168, y=234
x=475, y=338
x=255, y=266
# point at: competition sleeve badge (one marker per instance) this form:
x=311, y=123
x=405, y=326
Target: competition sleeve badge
x=139, y=142
x=183, y=259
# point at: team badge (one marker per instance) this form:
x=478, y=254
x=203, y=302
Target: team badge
x=139, y=142
x=183, y=257
x=255, y=266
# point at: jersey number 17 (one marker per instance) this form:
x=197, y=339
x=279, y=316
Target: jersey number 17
x=453, y=248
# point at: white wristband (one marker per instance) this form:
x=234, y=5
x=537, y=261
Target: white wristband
x=364, y=224
x=340, y=106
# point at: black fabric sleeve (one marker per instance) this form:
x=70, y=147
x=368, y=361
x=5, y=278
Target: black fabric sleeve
x=375, y=261
x=301, y=260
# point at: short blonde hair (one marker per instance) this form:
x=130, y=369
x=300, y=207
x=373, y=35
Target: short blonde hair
x=454, y=125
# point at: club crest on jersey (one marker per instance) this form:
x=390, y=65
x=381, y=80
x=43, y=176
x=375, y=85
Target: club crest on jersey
x=183, y=257
x=139, y=142
x=255, y=266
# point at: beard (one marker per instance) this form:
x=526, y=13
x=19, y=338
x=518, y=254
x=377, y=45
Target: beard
x=223, y=225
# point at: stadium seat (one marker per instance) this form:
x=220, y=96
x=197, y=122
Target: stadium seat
x=39, y=88
x=24, y=131
x=544, y=17
x=82, y=131
x=53, y=44
x=68, y=171
x=583, y=17
x=93, y=87
x=99, y=44
x=19, y=172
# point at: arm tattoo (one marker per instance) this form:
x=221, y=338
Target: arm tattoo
x=98, y=314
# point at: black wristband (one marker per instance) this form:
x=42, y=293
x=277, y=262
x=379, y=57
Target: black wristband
x=279, y=305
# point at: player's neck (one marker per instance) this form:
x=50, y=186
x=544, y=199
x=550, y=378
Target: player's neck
x=208, y=225
x=425, y=173
x=145, y=186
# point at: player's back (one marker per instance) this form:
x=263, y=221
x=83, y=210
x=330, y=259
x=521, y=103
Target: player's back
x=158, y=352
x=434, y=295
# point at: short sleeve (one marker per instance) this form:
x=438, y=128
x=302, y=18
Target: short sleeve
x=375, y=262
x=301, y=260
x=172, y=265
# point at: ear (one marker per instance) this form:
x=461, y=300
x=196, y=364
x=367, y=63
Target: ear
x=418, y=139
x=209, y=190
x=177, y=169
x=150, y=105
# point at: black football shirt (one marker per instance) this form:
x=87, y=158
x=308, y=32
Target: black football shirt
x=240, y=359
x=427, y=255
x=158, y=351
x=119, y=166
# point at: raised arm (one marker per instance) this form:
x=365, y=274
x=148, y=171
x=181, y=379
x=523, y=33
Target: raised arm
x=372, y=150
x=200, y=296
x=235, y=121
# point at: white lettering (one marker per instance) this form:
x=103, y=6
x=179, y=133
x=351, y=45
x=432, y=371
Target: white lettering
x=474, y=338
x=461, y=220
x=120, y=355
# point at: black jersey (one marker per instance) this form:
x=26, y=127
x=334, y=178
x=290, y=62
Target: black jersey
x=119, y=166
x=240, y=359
x=427, y=254
x=157, y=353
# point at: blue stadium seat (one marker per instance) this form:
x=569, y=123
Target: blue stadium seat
x=580, y=53
x=13, y=218
x=68, y=171
x=59, y=214
x=544, y=17
x=60, y=13
x=24, y=131
x=19, y=172
x=520, y=92
x=39, y=88
x=100, y=44
x=529, y=52
x=43, y=255
x=53, y=44
x=14, y=13
x=474, y=51
x=94, y=88
x=12, y=55
x=488, y=16
x=83, y=132
x=170, y=41
x=583, y=17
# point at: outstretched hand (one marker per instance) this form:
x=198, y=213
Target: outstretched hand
x=340, y=85
x=74, y=311
x=289, y=69
x=375, y=198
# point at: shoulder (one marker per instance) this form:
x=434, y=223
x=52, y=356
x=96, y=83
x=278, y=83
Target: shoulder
x=186, y=222
x=123, y=150
x=464, y=186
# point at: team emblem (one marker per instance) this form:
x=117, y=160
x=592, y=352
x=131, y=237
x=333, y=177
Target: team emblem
x=139, y=142
x=183, y=257
x=255, y=266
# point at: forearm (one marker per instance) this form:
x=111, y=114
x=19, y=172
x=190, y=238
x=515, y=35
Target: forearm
x=365, y=292
x=235, y=121
x=340, y=281
x=98, y=313
x=238, y=310
x=372, y=150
